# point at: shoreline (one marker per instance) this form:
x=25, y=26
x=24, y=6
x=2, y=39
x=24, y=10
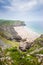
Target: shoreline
x=26, y=33
x=33, y=29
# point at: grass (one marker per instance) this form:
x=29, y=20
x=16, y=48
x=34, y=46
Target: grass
x=22, y=59
x=12, y=43
x=17, y=58
x=40, y=52
x=35, y=46
x=11, y=22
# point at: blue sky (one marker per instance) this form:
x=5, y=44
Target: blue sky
x=27, y=10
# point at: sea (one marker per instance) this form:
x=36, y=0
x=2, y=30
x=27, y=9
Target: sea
x=36, y=26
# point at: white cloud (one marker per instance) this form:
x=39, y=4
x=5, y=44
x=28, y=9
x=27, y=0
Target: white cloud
x=26, y=6
x=22, y=6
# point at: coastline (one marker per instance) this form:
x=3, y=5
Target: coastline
x=26, y=33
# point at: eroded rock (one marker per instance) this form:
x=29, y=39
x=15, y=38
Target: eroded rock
x=24, y=46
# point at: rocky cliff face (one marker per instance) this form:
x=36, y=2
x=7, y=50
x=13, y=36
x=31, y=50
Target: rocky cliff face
x=7, y=29
x=24, y=45
x=39, y=40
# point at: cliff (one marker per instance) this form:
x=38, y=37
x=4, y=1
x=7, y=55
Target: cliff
x=7, y=28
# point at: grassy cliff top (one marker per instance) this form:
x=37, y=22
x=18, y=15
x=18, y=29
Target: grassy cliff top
x=11, y=22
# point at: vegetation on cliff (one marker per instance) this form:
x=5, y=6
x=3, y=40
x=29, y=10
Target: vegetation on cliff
x=12, y=22
x=14, y=56
x=10, y=54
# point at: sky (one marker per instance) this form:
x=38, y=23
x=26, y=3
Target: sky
x=30, y=11
x=27, y=10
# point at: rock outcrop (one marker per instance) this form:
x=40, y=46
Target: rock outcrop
x=40, y=40
x=7, y=29
x=24, y=45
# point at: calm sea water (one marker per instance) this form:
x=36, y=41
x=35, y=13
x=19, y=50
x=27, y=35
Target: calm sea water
x=36, y=26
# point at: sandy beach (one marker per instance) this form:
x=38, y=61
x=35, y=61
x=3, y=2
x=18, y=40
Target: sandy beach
x=26, y=33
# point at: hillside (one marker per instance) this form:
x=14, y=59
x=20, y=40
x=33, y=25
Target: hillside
x=14, y=50
x=12, y=22
x=7, y=30
x=13, y=56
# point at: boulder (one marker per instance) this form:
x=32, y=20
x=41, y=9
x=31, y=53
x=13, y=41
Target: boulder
x=24, y=46
x=41, y=36
x=18, y=38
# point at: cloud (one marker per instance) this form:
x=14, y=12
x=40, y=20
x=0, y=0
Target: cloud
x=20, y=5
x=4, y=3
x=27, y=6
x=23, y=9
x=23, y=6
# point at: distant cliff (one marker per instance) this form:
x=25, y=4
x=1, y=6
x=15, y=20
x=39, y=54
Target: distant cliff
x=7, y=28
x=12, y=22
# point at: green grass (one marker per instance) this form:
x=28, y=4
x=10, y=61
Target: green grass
x=11, y=22
x=12, y=43
x=35, y=46
x=40, y=52
x=19, y=58
x=22, y=59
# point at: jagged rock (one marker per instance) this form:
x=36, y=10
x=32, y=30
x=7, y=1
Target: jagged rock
x=7, y=29
x=24, y=40
x=18, y=38
x=9, y=33
x=41, y=36
x=24, y=46
x=28, y=45
x=41, y=43
x=11, y=38
x=39, y=40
